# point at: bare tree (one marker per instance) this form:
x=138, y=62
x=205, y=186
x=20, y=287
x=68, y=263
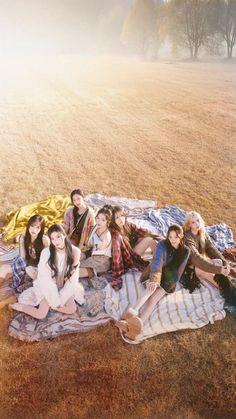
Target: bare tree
x=225, y=22
x=138, y=27
x=188, y=23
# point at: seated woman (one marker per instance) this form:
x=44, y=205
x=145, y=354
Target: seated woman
x=129, y=243
x=206, y=262
x=57, y=285
x=31, y=244
x=78, y=220
x=166, y=269
x=99, y=243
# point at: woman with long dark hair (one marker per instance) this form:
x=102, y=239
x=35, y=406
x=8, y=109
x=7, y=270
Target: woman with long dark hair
x=31, y=244
x=129, y=244
x=166, y=269
x=78, y=220
x=57, y=285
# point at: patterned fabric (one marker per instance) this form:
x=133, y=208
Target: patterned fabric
x=177, y=311
x=18, y=269
x=88, y=224
x=123, y=256
x=86, y=318
x=159, y=220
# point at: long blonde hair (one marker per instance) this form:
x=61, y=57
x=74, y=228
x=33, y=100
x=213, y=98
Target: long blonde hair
x=202, y=231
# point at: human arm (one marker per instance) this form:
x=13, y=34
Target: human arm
x=71, y=283
x=46, y=241
x=46, y=282
x=22, y=245
x=68, y=217
x=105, y=240
x=212, y=251
x=158, y=263
x=197, y=259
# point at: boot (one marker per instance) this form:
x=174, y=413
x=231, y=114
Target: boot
x=227, y=289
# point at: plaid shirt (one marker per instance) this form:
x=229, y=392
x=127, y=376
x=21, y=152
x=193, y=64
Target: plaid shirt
x=123, y=256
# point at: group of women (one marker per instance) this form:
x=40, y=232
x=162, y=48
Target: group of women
x=87, y=246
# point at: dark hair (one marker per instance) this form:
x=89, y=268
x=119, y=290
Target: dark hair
x=179, y=233
x=38, y=242
x=114, y=227
x=106, y=210
x=68, y=248
x=75, y=209
x=179, y=253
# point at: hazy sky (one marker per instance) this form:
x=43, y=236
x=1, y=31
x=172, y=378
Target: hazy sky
x=83, y=26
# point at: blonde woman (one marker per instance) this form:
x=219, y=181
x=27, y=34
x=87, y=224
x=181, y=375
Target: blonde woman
x=206, y=261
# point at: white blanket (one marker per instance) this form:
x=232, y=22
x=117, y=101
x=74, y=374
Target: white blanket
x=177, y=311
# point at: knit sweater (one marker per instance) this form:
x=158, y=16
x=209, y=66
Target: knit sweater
x=200, y=260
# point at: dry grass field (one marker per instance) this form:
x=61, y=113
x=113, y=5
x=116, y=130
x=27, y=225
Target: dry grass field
x=164, y=131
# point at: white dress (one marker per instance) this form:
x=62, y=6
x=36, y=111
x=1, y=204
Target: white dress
x=45, y=286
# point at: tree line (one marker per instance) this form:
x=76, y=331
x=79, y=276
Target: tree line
x=185, y=24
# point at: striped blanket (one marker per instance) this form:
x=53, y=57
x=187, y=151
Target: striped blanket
x=177, y=311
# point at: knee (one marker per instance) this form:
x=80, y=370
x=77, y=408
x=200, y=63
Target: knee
x=42, y=314
x=218, y=262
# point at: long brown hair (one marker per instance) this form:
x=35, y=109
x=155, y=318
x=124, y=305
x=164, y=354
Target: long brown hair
x=38, y=242
x=75, y=209
x=114, y=226
x=68, y=249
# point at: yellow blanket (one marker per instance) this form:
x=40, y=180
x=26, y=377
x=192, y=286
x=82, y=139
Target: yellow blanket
x=52, y=209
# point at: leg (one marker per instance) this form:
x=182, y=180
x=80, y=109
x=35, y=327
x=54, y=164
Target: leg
x=133, y=311
x=38, y=313
x=207, y=276
x=5, y=271
x=68, y=308
x=83, y=272
x=144, y=244
x=152, y=302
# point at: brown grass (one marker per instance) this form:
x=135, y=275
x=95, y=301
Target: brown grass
x=164, y=131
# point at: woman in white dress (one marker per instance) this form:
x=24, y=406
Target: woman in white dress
x=57, y=285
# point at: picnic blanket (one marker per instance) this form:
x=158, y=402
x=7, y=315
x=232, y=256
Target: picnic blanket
x=86, y=318
x=177, y=311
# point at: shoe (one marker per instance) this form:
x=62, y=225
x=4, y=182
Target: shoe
x=131, y=312
x=135, y=327
x=122, y=325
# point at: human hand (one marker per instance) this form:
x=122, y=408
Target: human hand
x=82, y=256
x=152, y=286
x=225, y=270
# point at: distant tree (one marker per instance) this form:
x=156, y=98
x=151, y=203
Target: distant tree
x=223, y=22
x=188, y=23
x=139, y=26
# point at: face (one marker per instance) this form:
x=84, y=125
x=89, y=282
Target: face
x=101, y=220
x=194, y=224
x=120, y=218
x=174, y=239
x=35, y=229
x=77, y=200
x=58, y=240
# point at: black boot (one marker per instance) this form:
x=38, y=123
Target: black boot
x=227, y=289
x=189, y=279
